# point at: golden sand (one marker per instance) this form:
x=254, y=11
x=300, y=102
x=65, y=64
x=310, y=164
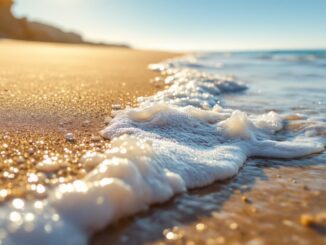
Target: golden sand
x=54, y=99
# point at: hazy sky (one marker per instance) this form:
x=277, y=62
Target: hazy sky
x=188, y=24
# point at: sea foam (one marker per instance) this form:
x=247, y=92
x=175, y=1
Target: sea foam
x=180, y=138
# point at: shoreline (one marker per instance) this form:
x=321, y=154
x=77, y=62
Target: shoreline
x=250, y=208
x=243, y=208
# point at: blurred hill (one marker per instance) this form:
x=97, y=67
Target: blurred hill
x=22, y=29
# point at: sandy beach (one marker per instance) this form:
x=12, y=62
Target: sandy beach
x=56, y=97
x=50, y=90
x=169, y=123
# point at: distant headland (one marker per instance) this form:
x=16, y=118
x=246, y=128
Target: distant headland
x=23, y=29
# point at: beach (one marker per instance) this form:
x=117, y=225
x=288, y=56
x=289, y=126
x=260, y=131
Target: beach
x=50, y=90
x=194, y=169
x=169, y=123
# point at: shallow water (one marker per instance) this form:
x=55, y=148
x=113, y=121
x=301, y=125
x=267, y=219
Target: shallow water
x=289, y=82
x=200, y=129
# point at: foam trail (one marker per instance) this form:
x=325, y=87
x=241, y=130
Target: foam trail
x=178, y=139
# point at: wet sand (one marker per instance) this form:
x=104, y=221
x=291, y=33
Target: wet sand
x=50, y=90
x=268, y=202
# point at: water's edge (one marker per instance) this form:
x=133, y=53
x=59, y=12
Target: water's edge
x=178, y=139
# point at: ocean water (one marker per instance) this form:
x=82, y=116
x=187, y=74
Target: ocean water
x=218, y=110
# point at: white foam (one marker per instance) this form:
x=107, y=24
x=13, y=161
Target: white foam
x=178, y=139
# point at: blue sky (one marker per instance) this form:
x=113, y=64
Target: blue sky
x=188, y=24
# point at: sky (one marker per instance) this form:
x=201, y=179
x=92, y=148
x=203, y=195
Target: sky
x=185, y=25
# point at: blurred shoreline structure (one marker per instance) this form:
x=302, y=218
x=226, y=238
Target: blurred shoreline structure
x=23, y=29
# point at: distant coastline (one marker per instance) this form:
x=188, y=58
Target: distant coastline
x=23, y=29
